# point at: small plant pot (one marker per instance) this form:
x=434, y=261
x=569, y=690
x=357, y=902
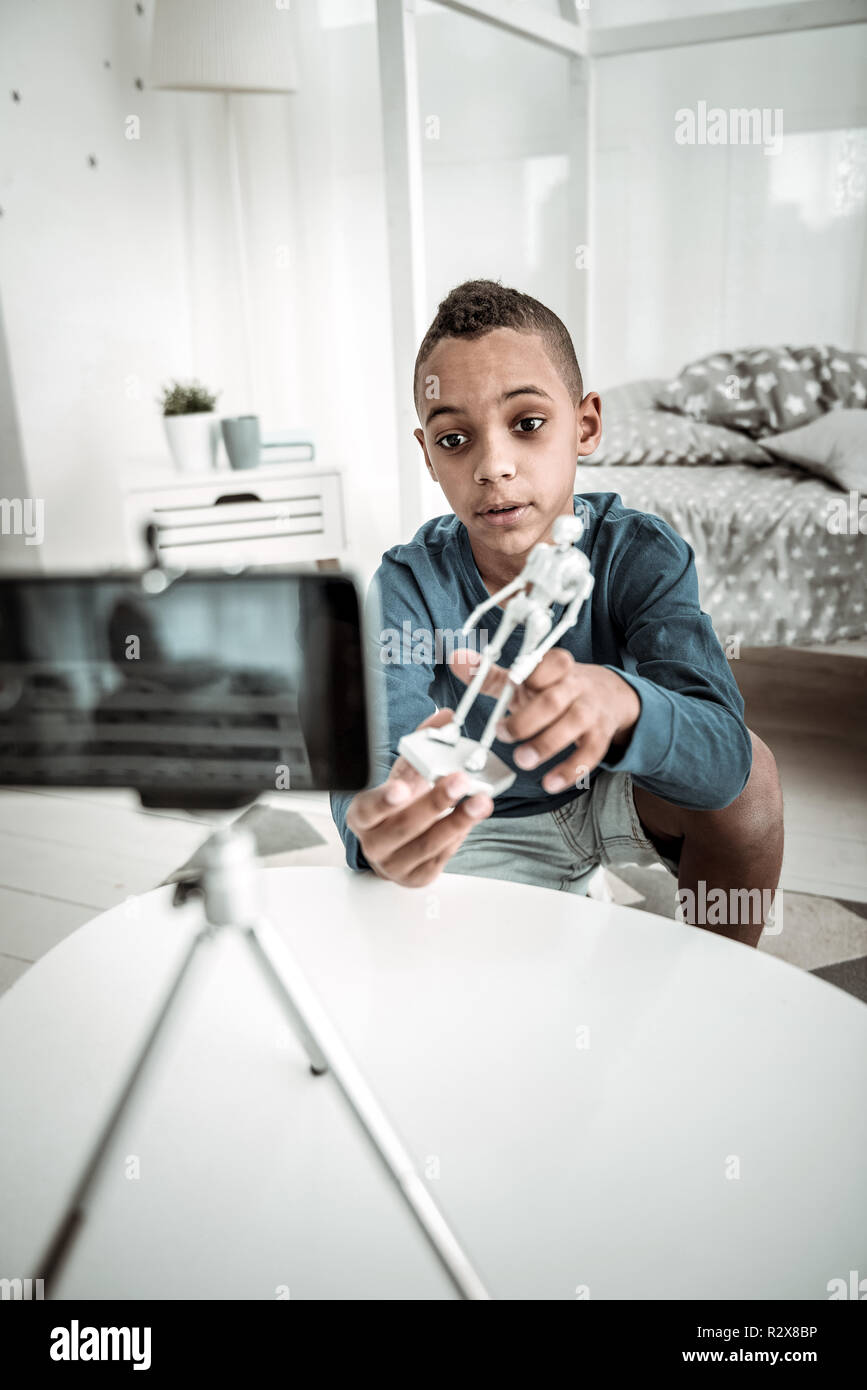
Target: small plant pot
x=192, y=440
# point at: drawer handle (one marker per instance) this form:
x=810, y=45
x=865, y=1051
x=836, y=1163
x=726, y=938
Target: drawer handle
x=231, y=497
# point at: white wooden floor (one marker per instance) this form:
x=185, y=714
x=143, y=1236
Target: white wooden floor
x=66, y=856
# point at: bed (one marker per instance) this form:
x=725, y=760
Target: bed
x=779, y=551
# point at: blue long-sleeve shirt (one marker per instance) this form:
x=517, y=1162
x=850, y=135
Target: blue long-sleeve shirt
x=643, y=620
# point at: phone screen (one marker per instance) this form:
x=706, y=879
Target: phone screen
x=203, y=691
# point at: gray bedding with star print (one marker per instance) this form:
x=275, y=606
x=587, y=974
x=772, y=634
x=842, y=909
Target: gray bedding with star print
x=779, y=555
x=763, y=391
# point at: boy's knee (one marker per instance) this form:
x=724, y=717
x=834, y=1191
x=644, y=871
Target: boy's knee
x=764, y=784
x=758, y=812
x=754, y=817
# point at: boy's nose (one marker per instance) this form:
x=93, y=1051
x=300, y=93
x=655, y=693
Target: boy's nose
x=493, y=464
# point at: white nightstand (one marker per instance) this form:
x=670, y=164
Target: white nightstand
x=274, y=515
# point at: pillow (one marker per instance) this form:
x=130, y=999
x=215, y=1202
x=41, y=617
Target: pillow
x=763, y=391
x=631, y=395
x=658, y=436
x=834, y=447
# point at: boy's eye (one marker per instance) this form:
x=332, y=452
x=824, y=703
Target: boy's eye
x=530, y=424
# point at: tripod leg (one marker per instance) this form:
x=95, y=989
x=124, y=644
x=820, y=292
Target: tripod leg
x=313, y=1023
x=75, y=1213
x=272, y=962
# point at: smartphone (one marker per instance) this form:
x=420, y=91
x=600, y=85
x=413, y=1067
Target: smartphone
x=198, y=691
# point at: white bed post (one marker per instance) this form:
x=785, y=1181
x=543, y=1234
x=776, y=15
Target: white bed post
x=15, y=483
x=401, y=125
x=578, y=309
x=403, y=192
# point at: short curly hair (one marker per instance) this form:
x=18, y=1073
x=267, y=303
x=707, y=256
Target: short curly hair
x=476, y=307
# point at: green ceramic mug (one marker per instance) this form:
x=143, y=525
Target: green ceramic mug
x=242, y=439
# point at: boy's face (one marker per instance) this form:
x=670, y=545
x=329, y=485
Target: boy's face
x=501, y=430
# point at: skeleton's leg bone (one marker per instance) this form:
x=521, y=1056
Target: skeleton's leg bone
x=478, y=759
x=451, y=732
x=533, y=647
x=535, y=627
x=524, y=666
x=469, y=695
x=489, y=656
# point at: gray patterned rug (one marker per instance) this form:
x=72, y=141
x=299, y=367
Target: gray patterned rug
x=827, y=936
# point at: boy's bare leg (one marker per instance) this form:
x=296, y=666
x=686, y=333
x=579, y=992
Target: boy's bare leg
x=737, y=849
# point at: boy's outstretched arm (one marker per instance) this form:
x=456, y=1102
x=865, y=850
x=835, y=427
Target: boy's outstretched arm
x=690, y=744
x=671, y=715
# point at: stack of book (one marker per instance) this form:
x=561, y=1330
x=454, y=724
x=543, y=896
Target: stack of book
x=288, y=446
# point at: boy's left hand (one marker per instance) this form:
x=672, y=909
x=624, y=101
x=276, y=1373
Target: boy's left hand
x=561, y=703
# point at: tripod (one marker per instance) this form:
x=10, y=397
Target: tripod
x=229, y=884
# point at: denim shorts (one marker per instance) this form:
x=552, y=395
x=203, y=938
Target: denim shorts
x=562, y=849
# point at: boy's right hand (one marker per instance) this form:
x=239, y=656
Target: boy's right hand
x=402, y=825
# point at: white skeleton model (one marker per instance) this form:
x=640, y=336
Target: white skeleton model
x=557, y=574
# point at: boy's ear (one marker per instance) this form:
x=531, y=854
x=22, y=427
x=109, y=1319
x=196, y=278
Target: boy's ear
x=419, y=434
x=588, y=424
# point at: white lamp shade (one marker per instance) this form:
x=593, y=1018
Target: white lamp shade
x=223, y=46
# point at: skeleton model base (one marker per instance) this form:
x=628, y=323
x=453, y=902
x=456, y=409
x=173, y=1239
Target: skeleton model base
x=434, y=758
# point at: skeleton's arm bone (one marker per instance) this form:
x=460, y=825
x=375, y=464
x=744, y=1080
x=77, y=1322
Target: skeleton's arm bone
x=517, y=583
x=568, y=618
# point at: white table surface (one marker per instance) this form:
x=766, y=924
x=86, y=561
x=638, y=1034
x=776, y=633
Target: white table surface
x=563, y=1168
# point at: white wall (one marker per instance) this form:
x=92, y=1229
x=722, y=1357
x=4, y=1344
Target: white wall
x=706, y=247
x=116, y=278
x=99, y=279
x=343, y=306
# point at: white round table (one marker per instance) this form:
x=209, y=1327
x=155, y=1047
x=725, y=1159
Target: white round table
x=604, y=1103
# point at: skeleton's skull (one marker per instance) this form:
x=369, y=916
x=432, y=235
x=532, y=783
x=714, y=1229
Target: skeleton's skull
x=567, y=529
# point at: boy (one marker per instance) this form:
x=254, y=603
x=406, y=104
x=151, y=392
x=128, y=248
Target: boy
x=630, y=731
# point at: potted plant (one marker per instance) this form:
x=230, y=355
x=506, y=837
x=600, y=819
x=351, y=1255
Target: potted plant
x=192, y=427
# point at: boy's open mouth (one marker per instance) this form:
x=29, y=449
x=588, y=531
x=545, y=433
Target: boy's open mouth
x=505, y=514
